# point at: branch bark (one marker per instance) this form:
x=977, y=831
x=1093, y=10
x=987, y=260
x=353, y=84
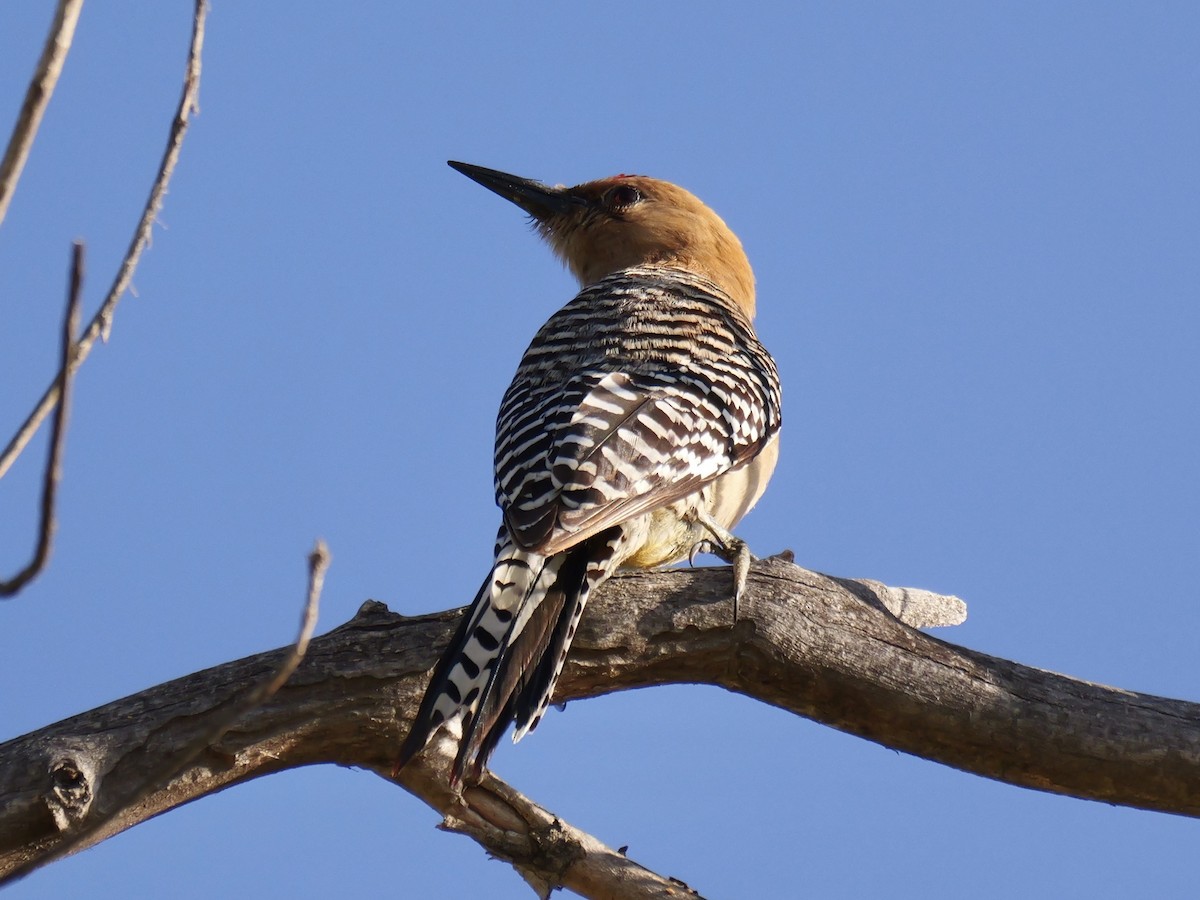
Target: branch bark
x=821, y=647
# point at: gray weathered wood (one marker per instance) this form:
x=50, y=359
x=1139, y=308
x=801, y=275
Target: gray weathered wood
x=821, y=647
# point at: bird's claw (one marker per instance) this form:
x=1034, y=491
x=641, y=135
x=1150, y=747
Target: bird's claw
x=732, y=550
x=699, y=549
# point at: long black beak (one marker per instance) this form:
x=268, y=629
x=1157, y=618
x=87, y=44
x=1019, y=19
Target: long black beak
x=539, y=200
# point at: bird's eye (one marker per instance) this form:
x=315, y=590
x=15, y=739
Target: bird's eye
x=622, y=196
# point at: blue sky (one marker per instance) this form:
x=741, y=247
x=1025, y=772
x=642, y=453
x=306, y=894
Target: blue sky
x=976, y=231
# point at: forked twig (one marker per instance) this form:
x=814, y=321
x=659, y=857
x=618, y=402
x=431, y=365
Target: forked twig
x=101, y=323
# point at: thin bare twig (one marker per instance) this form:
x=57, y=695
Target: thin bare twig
x=171, y=766
x=37, y=98
x=318, y=564
x=58, y=435
x=101, y=323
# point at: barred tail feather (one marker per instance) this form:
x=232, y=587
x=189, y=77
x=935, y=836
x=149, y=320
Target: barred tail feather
x=466, y=666
x=601, y=555
x=506, y=656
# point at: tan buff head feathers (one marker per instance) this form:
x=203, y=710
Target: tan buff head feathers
x=604, y=226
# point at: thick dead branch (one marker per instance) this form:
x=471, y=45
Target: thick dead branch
x=58, y=435
x=72, y=795
x=102, y=322
x=37, y=98
x=820, y=647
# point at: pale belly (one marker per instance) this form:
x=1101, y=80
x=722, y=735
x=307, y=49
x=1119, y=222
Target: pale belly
x=667, y=535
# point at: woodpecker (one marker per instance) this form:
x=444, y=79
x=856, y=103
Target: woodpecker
x=641, y=425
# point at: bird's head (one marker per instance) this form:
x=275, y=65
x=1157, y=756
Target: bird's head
x=601, y=227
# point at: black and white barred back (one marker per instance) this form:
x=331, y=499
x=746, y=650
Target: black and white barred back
x=646, y=387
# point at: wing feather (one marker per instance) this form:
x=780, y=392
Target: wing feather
x=639, y=392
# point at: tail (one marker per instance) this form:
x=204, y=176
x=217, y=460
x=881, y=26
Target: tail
x=505, y=658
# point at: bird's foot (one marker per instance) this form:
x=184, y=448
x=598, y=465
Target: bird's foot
x=728, y=547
